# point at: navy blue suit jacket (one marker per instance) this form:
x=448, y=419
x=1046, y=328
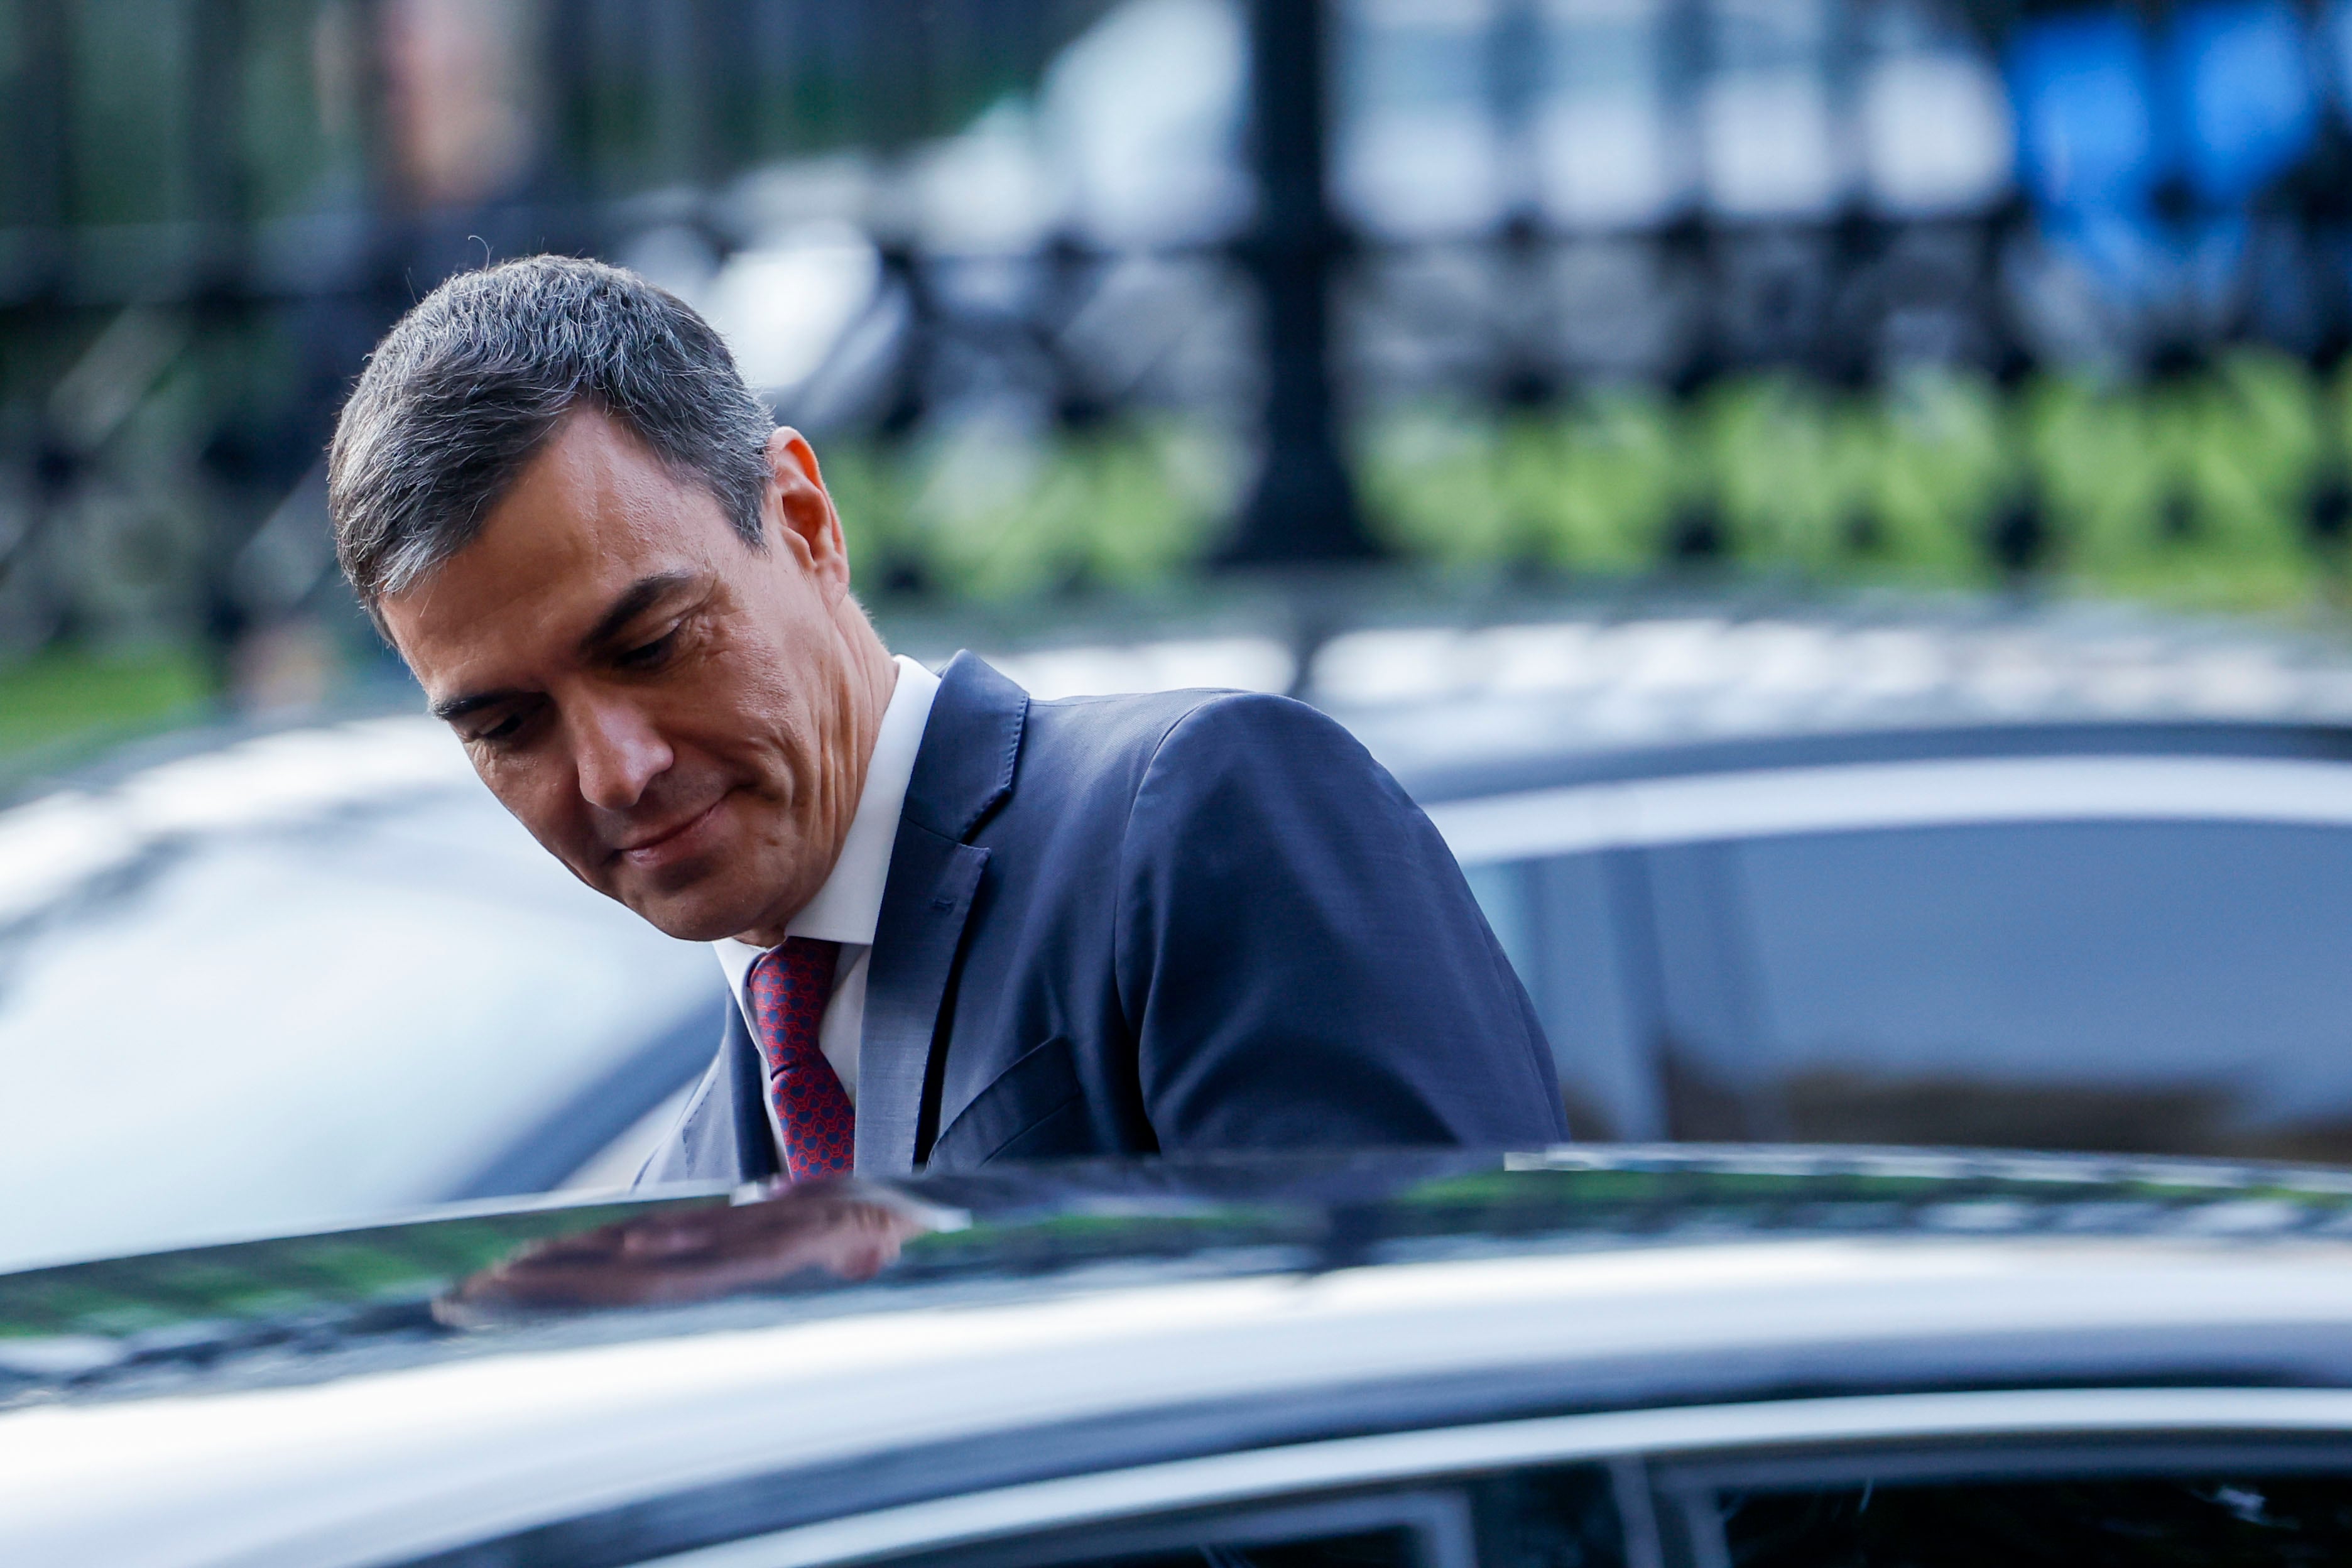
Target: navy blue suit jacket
x=1188, y=920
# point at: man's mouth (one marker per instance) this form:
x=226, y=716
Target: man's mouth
x=670, y=843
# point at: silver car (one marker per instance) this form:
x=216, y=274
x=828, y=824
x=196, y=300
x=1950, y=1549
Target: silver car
x=1665, y=1358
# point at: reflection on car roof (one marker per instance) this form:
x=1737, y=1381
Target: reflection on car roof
x=539, y=1275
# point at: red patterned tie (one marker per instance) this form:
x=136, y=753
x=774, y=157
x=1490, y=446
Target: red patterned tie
x=788, y=988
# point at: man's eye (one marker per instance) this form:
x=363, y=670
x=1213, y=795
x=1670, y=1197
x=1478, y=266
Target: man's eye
x=504, y=729
x=647, y=654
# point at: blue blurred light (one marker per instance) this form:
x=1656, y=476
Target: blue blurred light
x=2087, y=133
x=2125, y=254
x=2248, y=105
x=2335, y=49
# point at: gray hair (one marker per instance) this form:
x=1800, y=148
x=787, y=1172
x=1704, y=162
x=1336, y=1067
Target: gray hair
x=469, y=385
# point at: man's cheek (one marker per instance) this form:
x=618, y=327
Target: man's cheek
x=558, y=824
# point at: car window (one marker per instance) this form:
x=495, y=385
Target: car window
x=1364, y=1549
x=1421, y=1528
x=2187, y=1521
x=1556, y=920
x=1546, y=1516
x=2158, y=986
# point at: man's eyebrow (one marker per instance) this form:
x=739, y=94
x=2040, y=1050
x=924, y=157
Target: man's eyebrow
x=450, y=709
x=635, y=600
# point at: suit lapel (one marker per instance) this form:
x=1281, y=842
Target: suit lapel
x=964, y=769
x=740, y=1115
x=723, y=1136
x=924, y=907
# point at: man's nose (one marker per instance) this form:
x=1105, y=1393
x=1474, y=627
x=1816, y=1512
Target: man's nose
x=617, y=752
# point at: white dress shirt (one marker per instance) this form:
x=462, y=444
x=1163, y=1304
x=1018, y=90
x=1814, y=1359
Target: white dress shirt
x=846, y=908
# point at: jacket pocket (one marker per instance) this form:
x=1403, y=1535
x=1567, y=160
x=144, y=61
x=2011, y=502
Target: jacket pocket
x=1035, y=1109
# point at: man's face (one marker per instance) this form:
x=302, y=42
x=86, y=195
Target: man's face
x=672, y=713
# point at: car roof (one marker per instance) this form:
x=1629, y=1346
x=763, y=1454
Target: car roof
x=166, y=1321
x=501, y=1370
x=1649, y=682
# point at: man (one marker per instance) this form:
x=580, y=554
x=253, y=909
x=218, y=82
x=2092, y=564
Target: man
x=961, y=925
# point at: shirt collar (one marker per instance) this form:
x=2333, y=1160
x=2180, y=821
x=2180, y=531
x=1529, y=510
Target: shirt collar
x=849, y=905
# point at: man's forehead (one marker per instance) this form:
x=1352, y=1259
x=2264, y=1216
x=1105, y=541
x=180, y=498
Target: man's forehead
x=593, y=494
x=581, y=525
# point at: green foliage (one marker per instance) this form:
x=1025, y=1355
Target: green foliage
x=1433, y=484
x=57, y=699
x=1942, y=466
x=1597, y=491
x=1621, y=478
x=993, y=513
x=1789, y=470
x=2194, y=491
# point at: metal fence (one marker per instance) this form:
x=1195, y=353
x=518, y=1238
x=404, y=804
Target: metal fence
x=1099, y=292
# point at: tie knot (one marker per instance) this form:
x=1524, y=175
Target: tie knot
x=790, y=984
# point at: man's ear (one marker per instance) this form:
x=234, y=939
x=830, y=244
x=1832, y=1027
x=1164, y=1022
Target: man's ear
x=801, y=513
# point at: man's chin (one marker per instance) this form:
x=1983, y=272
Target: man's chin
x=692, y=920
x=726, y=890
x=697, y=912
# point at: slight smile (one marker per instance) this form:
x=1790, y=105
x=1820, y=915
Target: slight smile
x=671, y=843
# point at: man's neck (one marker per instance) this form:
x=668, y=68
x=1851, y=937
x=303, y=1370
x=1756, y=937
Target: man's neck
x=870, y=678
x=875, y=673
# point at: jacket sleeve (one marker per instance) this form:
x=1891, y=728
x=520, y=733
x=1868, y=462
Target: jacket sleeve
x=1300, y=959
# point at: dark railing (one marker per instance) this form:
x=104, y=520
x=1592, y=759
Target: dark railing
x=211, y=208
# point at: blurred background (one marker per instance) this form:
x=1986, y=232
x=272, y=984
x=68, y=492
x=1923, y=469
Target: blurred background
x=1795, y=362
x=1104, y=298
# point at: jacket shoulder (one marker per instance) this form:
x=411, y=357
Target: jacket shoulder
x=1087, y=747
x=1142, y=726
